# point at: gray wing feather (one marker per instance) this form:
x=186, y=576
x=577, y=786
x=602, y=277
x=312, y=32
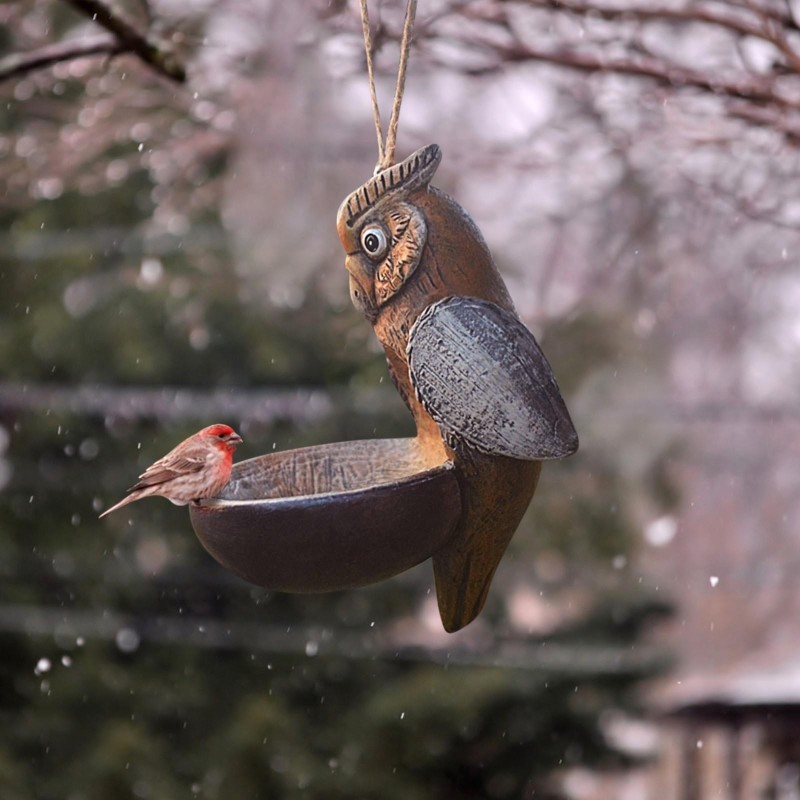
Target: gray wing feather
x=481, y=375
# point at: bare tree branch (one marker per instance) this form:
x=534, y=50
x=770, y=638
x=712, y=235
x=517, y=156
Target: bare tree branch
x=724, y=15
x=749, y=18
x=768, y=117
x=156, y=52
x=781, y=13
x=767, y=98
x=754, y=89
x=776, y=34
x=740, y=23
x=18, y=64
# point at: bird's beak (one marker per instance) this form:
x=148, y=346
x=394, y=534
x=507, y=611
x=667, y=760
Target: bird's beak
x=361, y=280
x=234, y=438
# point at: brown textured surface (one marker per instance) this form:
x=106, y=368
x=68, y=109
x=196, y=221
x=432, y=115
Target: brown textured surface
x=336, y=467
x=331, y=517
x=455, y=261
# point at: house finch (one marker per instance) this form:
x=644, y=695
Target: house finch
x=198, y=467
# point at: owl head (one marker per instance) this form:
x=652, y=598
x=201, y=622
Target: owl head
x=383, y=233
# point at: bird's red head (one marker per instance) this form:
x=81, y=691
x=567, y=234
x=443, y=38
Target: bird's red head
x=224, y=434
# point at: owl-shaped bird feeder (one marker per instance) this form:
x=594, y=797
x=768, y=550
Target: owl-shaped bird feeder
x=487, y=408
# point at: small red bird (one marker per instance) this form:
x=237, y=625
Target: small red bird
x=197, y=468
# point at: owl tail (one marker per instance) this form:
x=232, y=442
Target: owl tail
x=462, y=585
x=495, y=491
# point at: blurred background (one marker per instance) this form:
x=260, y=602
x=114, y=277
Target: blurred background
x=169, y=179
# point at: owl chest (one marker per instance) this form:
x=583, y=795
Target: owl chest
x=417, y=291
x=392, y=329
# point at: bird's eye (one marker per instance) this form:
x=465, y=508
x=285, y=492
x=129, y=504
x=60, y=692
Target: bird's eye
x=373, y=240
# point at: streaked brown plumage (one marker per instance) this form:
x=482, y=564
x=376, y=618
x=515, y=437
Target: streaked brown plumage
x=197, y=468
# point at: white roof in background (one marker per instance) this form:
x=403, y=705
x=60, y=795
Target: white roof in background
x=778, y=684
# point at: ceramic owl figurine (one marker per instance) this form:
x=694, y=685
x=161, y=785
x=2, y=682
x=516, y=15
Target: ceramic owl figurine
x=479, y=387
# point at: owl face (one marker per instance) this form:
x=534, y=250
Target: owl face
x=390, y=246
x=383, y=232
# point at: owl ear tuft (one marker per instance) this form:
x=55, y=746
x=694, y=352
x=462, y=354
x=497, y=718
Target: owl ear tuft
x=398, y=180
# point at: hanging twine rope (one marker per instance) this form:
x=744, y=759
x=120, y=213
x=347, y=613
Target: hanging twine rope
x=386, y=147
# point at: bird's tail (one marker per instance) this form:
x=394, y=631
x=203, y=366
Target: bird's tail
x=125, y=500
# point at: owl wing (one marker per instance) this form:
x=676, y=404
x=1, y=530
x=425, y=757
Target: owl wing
x=481, y=375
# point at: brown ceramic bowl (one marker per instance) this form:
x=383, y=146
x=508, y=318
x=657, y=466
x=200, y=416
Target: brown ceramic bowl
x=330, y=517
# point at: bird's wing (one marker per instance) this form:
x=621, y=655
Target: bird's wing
x=171, y=466
x=481, y=375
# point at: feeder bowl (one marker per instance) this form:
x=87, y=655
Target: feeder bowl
x=331, y=517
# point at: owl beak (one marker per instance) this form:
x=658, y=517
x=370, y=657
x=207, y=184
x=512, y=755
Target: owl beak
x=361, y=285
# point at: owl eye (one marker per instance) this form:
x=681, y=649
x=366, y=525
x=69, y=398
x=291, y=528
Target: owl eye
x=373, y=240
